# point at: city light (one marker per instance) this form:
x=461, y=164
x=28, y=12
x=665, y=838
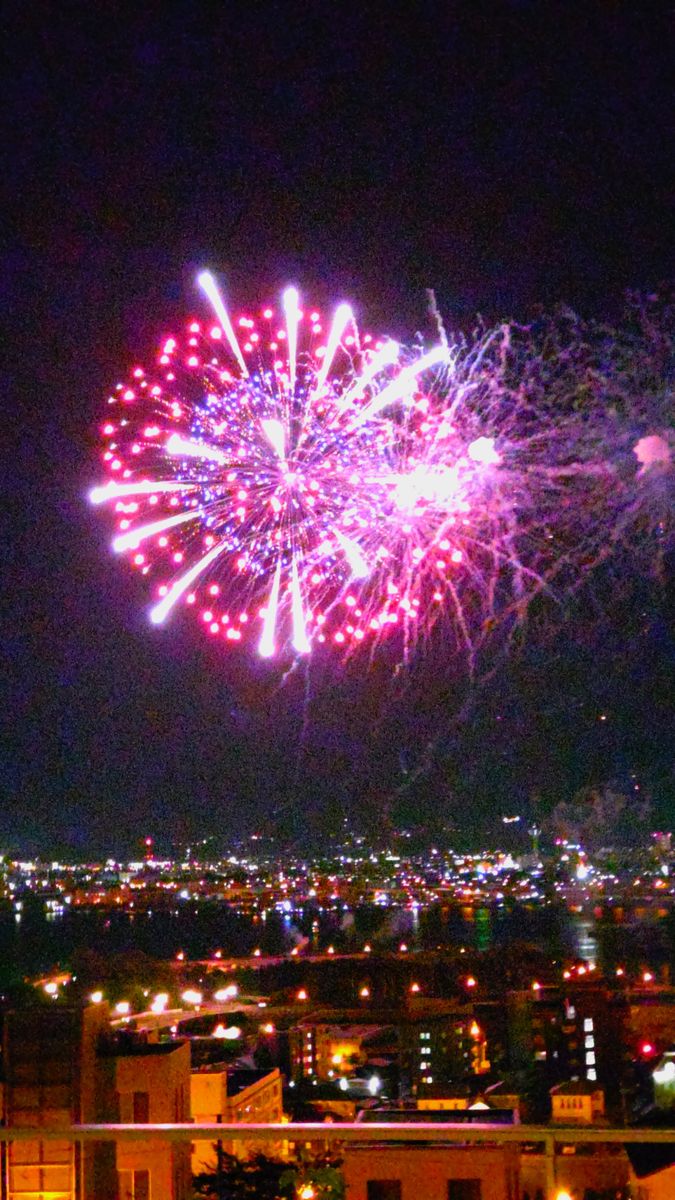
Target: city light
x=364, y=992
x=123, y=1008
x=301, y=994
x=228, y=1033
x=471, y=982
x=192, y=996
x=51, y=988
x=159, y=1003
x=226, y=993
x=96, y=997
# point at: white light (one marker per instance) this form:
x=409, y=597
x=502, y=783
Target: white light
x=276, y=435
x=144, y=487
x=482, y=451
x=341, y=318
x=192, y=996
x=290, y=302
x=403, y=386
x=666, y=1073
x=266, y=646
x=357, y=563
x=229, y=1034
x=374, y=1085
x=209, y=286
x=134, y=537
x=180, y=447
x=160, y=612
x=226, y=993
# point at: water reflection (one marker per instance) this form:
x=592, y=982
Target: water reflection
x=33, y=939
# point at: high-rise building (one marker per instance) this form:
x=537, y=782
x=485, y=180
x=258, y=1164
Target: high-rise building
x=64, y=1066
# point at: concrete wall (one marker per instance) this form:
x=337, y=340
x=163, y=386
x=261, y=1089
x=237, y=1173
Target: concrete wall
x=424, y=1171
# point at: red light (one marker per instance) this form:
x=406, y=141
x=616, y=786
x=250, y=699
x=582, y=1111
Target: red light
x=646, y=1048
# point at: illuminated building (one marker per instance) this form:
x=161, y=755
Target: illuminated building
x=62, y=1066
x=432, y=1170
x=577, y=1103
x=151, y=1086
x=223, y=1095
x=431, y=1042
x=49, y=1066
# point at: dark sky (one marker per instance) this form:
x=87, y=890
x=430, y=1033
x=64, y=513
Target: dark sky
x=507, y=154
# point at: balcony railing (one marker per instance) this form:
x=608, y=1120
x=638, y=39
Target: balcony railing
x=545, y=1140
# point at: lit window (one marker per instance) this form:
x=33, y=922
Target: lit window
x=591, y=1073
x=589, y=1041
x=590, y=1058
x=588, y=1024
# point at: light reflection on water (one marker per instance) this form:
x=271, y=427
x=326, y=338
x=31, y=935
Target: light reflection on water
x=41, y=939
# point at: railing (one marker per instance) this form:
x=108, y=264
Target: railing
x=375, y=1134
x=367, y=1131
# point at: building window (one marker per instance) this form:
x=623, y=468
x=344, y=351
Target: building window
x=383, y=1189
x=134, y=1185
x=588, y=1025
x=141, y=1185
x=141, y=1108
x=464, y=1189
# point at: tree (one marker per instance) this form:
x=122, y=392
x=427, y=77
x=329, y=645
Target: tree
x=262, y=1177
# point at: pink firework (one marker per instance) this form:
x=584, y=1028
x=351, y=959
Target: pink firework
x=265, y=471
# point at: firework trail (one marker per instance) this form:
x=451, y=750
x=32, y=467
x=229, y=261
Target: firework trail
x=601, y=404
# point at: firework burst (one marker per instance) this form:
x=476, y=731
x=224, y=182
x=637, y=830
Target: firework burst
x=297, y=483
x=251, y=470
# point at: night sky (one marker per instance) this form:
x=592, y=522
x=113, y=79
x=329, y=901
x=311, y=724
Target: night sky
x=507, y=155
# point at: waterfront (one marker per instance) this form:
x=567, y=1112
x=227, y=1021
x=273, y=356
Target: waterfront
x=39, y=937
